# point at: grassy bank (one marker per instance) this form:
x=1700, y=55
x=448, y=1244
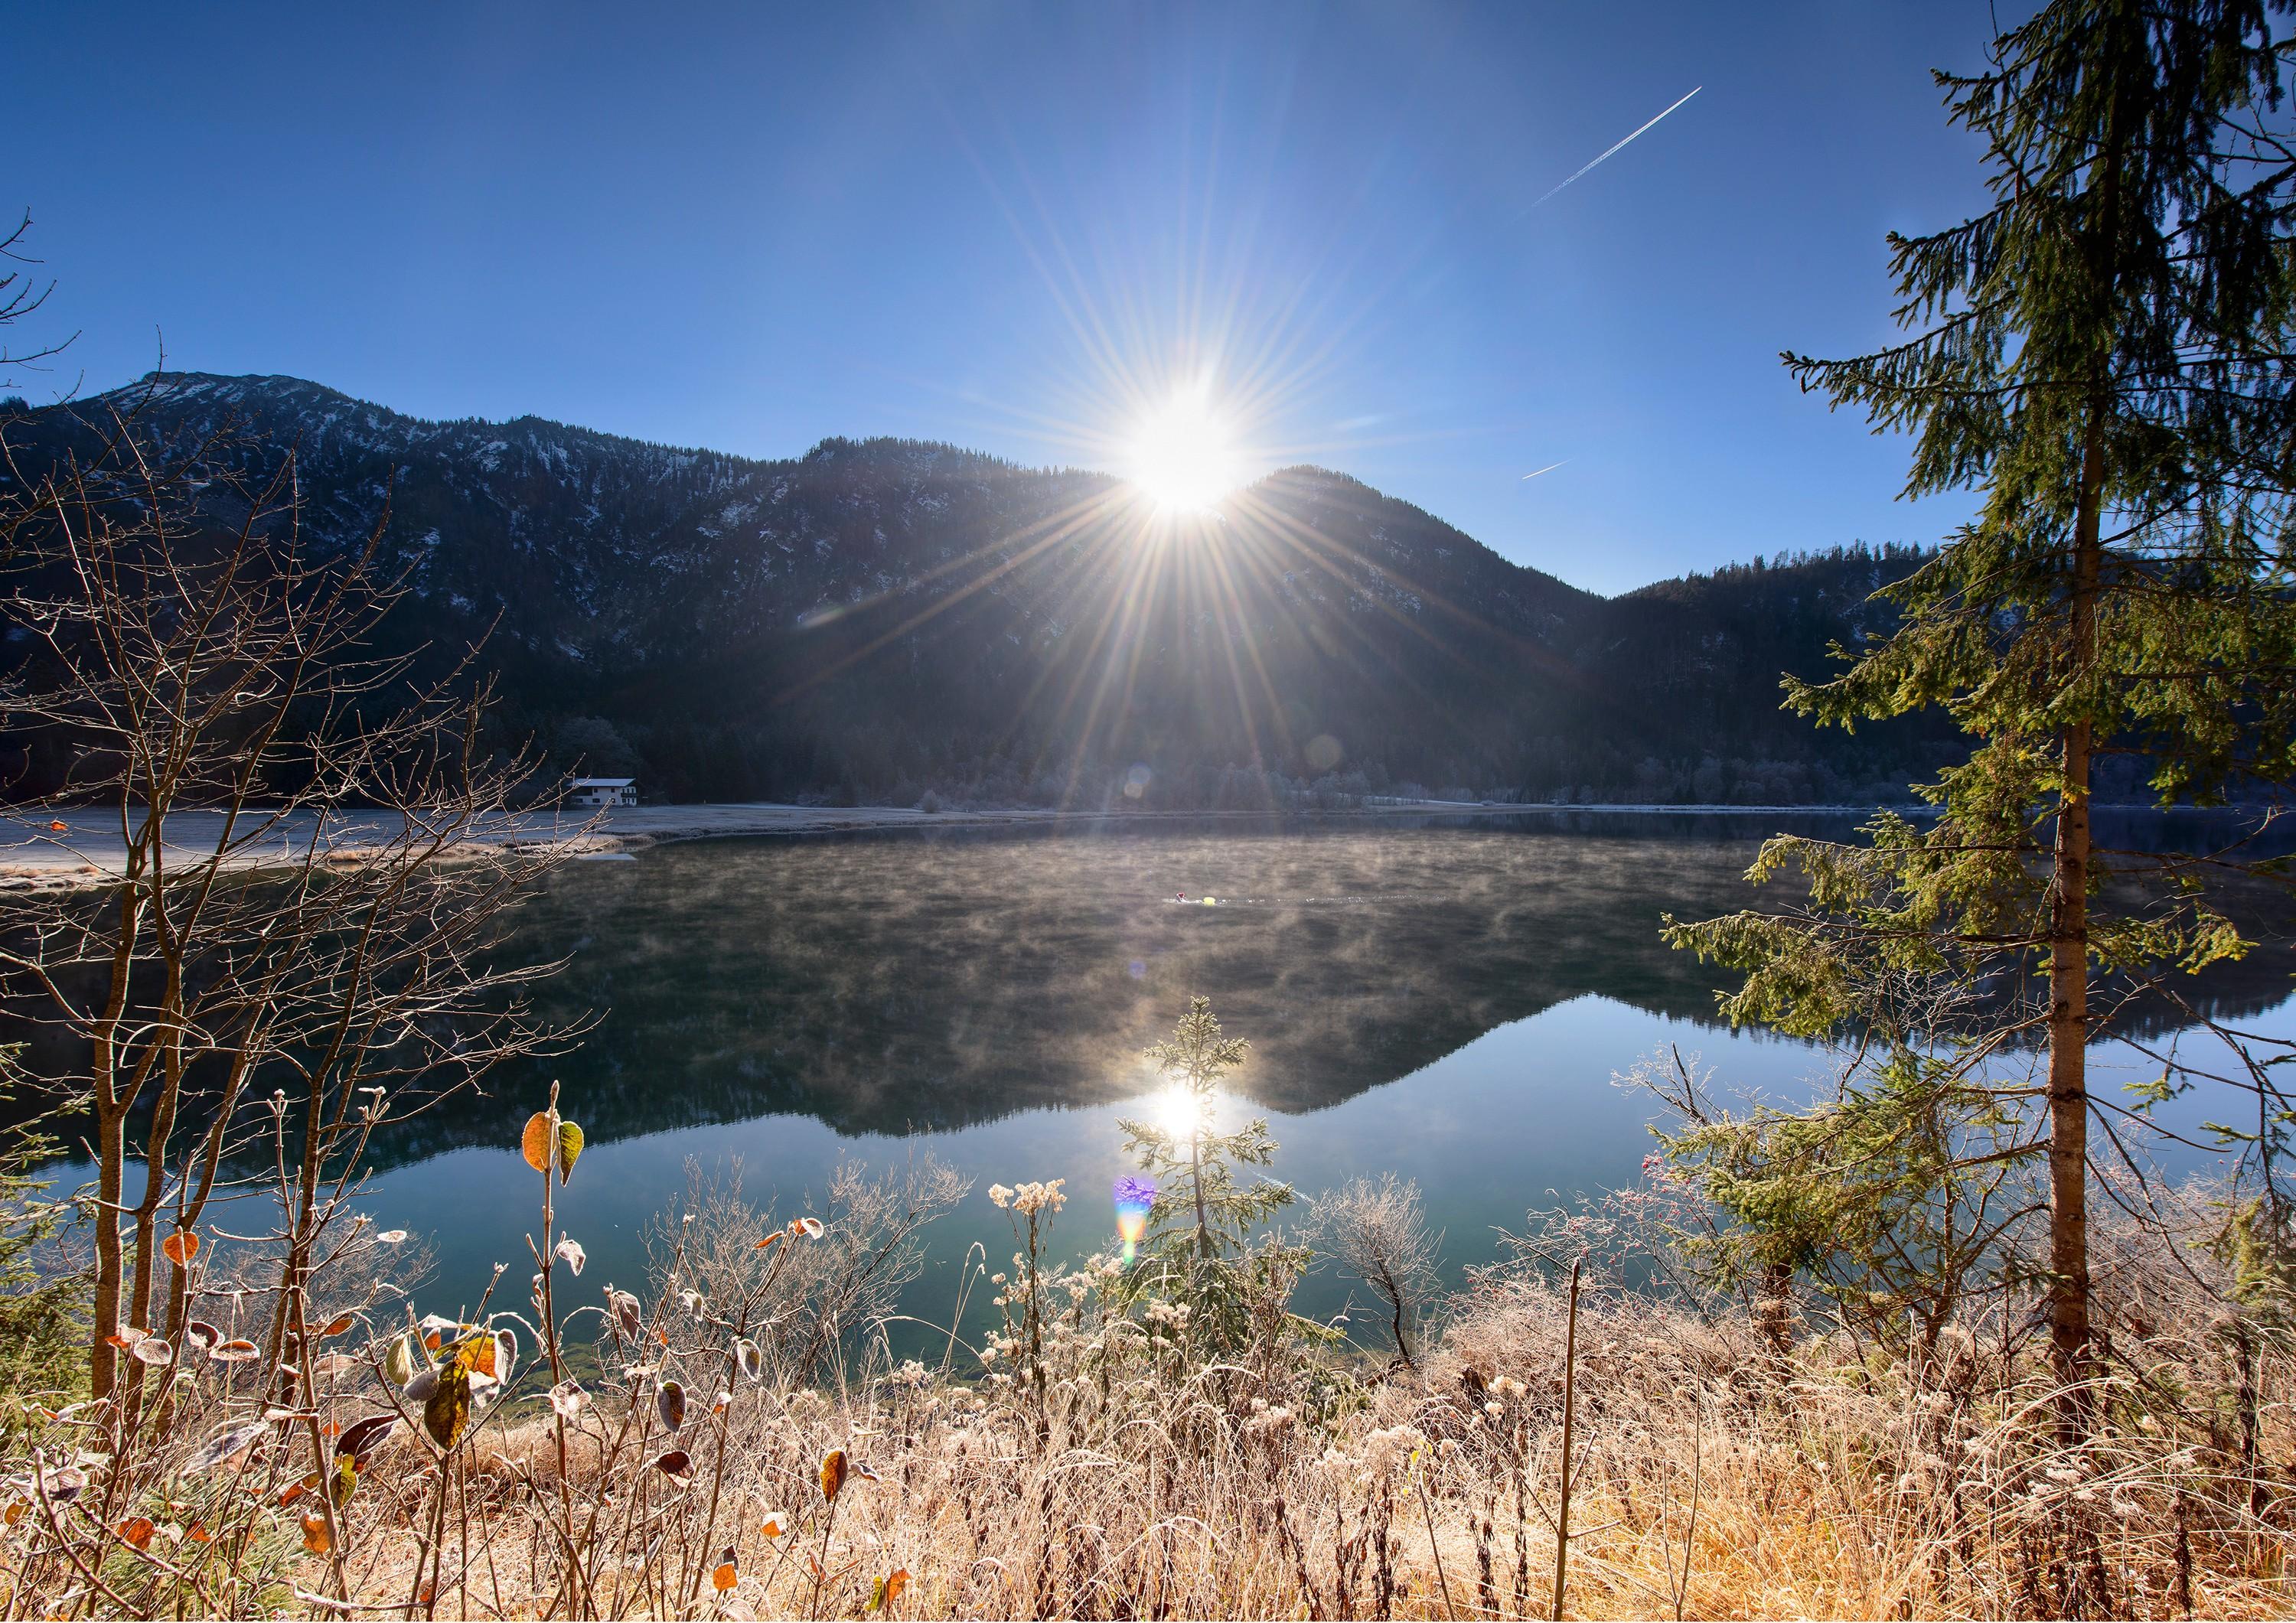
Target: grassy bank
x=734, y=1442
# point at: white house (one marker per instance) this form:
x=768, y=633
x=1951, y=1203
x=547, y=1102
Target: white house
x=602, y=791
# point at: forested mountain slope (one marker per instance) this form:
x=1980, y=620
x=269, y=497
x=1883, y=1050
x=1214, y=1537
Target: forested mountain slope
x=877, y=619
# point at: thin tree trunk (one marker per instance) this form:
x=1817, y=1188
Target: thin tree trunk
x=155, y=1186
x=2069, y=881
x=1196, y=1179
x=111, y=1142
x=110, y=1155
x=2069, y=1286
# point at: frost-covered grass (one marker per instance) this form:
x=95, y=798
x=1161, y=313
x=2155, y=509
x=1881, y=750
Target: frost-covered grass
x=801, y=1470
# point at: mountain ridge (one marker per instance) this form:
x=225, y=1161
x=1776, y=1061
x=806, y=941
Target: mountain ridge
x=886, y=616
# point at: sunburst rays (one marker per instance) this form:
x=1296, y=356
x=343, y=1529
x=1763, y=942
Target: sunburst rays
x=1189, y=368
x=1152, y=635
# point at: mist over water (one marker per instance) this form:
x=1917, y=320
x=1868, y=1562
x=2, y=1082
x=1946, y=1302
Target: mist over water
x=1450, y=1003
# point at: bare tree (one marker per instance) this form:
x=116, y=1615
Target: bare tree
x=1377, y=1230
x=806, y=1311
x=19, y=297
x=302, y=864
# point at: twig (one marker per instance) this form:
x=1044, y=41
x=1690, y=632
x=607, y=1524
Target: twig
x=1563, y=1519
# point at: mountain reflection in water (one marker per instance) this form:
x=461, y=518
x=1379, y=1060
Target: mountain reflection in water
x=922, y=984
x=1449, y=1004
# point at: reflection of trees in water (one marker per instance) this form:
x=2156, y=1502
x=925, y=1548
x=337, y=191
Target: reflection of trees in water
x=889, y=984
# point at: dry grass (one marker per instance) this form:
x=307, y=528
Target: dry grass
x=1715, y=1478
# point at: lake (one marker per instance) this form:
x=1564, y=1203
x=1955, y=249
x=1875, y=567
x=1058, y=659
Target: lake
x=1451, y=1003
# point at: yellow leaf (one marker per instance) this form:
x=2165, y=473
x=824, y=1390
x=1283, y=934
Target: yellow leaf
x=535, y=1142
x=447, y=1412
x=569, y=1149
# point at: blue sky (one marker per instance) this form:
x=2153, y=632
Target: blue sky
x=1018, y=227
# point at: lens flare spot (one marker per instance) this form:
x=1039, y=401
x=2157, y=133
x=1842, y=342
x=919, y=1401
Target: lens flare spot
x=1134, y=1198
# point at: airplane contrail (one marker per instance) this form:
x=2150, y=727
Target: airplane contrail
x=1550, y=468
x=1612, y=150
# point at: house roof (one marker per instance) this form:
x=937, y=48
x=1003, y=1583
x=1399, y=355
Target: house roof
x=600, y=783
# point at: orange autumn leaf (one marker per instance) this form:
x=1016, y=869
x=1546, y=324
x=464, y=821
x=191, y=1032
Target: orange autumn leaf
x=725, y=1576
x=832, y=1474
x=539, y=1140
x=296, y=1490
x=136, y=1532
x=197, y=1533
x=476, y=1354
x=315, y=1535
x=180, y=1247
x=888, y=1590
x=337, y=1326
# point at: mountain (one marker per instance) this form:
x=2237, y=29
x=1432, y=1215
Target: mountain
x=877, y=619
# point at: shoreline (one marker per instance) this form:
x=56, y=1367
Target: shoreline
x=89, y=849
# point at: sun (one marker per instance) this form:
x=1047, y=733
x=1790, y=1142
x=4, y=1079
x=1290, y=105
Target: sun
x=1179, y=1112
x=1184, y=456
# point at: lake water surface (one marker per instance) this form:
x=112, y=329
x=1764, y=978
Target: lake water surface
x=1448, y=1004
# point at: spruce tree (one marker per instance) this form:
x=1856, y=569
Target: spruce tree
x=1199, y=1247
x=2104, y=355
